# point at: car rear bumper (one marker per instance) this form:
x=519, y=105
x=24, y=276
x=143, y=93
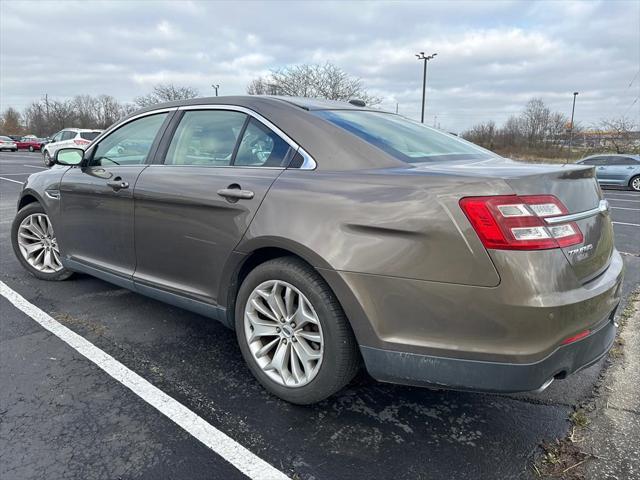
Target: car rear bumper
x=503, y=338
x=462, y=374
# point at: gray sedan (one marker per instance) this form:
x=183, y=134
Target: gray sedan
x=616, y=169
x=332, y=237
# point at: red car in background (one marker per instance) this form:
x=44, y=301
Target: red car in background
x=30, y=143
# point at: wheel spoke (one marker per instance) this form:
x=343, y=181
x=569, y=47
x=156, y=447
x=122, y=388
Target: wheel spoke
x=267, y=347
x=279, y=358
x=257, y=304
x=312, y=336
x=261, y=329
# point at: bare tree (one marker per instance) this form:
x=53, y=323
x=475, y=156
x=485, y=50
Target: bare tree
x=483, y=134
x=321, y=81
x=166, y=92
x=618, y=131
x=11, y=122
x=535, y=121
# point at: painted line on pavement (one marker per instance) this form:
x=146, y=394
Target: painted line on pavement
x=10, y=180
x=625, y=223
x=622, y=200
x=35, y=166
x=241, y=458
x=625, y=208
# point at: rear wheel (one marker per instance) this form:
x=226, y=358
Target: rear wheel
x=634, y=183
x=293, y=333
x=35, y=244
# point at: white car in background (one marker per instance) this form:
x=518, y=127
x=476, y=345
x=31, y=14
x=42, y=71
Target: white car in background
x=6, y=143
x=68, y=138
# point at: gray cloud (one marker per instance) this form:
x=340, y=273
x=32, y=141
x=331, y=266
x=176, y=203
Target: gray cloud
x=492, y=56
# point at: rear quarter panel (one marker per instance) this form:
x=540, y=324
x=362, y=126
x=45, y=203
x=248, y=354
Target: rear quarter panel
x=378, y=224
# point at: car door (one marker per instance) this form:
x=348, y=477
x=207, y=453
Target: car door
x=193, y=208
x=620, y=168
x=96, y=199
x=603, y=169
x=55, y=140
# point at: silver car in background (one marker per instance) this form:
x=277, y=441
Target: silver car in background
x=616, y=169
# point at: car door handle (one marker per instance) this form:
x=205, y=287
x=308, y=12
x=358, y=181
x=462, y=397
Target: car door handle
x=118, y=184
x=236, y=194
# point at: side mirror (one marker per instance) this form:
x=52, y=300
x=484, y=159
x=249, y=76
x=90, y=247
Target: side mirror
x=69, y=156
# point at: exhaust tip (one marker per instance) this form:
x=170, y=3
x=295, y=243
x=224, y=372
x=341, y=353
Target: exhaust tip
x=544, y=386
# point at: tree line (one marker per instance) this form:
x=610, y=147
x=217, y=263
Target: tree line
x=46, y=116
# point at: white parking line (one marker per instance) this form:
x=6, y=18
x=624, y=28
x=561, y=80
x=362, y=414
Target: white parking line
x=625, y=223
x=10, y=180
x=11, y=174
x=623, y=194
x=35, y=166
x=625, y=208
x=241, y=458
x=622, y=200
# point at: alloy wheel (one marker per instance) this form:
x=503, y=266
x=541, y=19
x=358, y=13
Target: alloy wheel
x=38, y=244
x=284, y=333
x=635, y=184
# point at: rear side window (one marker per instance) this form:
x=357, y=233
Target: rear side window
x=205, y=137
x=260, y=147
x=89, y=135
x=406, y=140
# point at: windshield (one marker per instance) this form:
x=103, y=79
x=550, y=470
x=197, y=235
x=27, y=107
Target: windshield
x=402, y=138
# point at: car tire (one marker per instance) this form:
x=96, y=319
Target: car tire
x=47, y=159
x=634, y=183
x=34, y=212
x=31, y=149
x=339, y=359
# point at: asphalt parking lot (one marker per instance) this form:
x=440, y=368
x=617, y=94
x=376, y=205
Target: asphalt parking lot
x=63, y=417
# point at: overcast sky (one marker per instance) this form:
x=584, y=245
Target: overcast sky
x=492, y=56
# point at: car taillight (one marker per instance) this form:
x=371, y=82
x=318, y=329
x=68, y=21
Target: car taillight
x=513, y=222
x=81, y=141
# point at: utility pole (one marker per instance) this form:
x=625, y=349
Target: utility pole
x=215, y=87
x=573, y=109
x=46, y=104
x=421, y=56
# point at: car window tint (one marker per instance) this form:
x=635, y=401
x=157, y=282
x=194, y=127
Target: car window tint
x=205, y=137
x=260, y=147
x=89, y=135
x=67, y=135
x=402, y=138
x=56, y=137
x=129, y=144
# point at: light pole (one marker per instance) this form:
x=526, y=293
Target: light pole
x=421, y=56
x=573, y=109
x=215, y=87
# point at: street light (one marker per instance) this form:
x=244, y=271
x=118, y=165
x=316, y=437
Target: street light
x=215, y=87
x=421, y=56
x=573, y=109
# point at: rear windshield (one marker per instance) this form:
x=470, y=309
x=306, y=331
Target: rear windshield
x=5, y=139
x=402, y=138
x=89, y=135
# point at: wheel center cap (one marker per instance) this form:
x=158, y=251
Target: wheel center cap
x=287, y=331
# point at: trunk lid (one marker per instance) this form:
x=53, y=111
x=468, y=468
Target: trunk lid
x=574, y=185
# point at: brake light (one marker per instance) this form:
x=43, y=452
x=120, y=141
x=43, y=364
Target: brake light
x=512, y=222
x=81, y=141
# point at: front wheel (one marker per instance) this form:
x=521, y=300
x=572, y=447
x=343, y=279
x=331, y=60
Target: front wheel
x=35, y=244
x=634, y=184
x=293, y=333
x=31, y=148
x=47, y=159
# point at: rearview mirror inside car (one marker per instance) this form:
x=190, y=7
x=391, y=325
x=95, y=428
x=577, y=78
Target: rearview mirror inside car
x=69, y=156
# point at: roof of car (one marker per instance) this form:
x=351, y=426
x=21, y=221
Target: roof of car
x=254, y=101
x=82, y=129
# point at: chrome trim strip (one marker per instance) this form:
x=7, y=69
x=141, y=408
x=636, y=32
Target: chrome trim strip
x=122, y=123
x=53, y=194
x=602, y=207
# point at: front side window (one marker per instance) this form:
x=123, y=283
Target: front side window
x=260, y=147
x=205, y=137
x=406, y=140
x=129, y=144
x=68, y=135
